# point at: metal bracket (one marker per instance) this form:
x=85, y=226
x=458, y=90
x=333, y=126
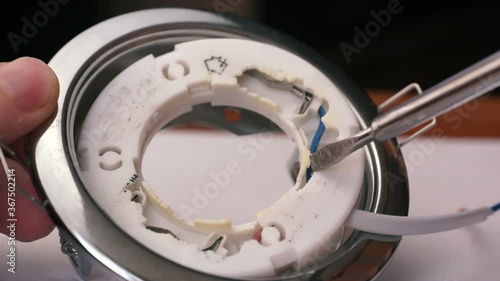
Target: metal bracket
x=4, y=147
x=76, y=254
x=413, y=87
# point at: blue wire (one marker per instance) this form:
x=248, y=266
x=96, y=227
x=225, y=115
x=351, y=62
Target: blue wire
x=316, y=139
x=319, y=132
x=496, y=207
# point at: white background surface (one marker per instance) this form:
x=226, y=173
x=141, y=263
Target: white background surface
x=444, y=176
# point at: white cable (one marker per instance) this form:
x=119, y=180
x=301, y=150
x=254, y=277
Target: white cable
x=398, y=226
x=4, y=163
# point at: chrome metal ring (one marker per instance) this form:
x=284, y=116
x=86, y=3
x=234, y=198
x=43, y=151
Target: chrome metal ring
x=92, y=59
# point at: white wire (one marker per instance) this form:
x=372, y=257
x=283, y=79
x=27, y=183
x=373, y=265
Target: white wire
x=398, y=226
x=4, y=163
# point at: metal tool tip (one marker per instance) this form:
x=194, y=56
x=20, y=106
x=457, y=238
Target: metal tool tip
x=333, y=153
x=323, y=158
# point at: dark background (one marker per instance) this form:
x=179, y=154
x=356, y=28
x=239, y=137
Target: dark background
x=425, y=43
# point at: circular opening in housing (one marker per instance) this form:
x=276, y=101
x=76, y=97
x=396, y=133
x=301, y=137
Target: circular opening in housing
x=208, y=173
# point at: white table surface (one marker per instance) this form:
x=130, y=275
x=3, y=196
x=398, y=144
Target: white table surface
x=452, y=174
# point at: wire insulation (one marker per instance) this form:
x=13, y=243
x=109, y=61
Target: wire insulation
x=3, y=160
x=316, y=139
x=398, y=226
x=496, y=207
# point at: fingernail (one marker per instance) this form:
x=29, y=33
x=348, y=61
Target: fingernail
x=28, y=82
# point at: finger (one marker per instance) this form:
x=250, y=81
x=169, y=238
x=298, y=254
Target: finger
x=32, y=222
x=28, y=95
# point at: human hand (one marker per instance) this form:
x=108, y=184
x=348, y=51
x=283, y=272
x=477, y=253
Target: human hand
x=28, y=96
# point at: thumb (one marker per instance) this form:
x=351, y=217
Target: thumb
x=28, y=96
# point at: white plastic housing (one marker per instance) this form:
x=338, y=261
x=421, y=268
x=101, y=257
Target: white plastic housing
x=303, y=225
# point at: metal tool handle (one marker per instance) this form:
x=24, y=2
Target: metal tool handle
x=460, y=88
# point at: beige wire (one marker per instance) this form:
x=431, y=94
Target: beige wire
x=4, y=163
